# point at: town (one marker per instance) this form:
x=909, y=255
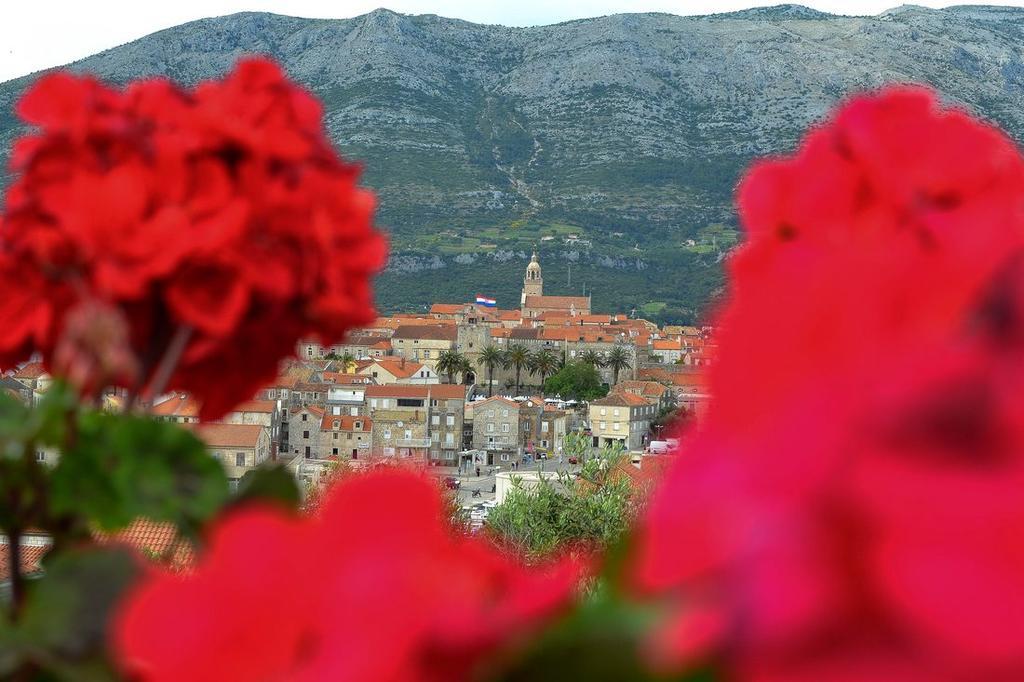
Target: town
x=465, y=390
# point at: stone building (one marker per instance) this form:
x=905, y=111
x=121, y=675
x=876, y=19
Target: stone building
x=534, y=303
x=423, y=422
x=423, y=343
x=345, y=436
x=239, y=447
x=623, y=417
x=304, y=433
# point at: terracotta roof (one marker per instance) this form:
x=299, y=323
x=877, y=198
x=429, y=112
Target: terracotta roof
x=180, y=404
x=649, y=389
x=436, y=391
x=264, y=406
x=397, y=367
x=153, y=540
x=447, y=308
x=509, y=314
x=32, y=370
x=500, y=332
x=494, y=399
x=383, y=344
x=218, y=435
x=345, y=422
x=340, y=379
x=562, y=302
x=526, y=333
x=431, y=332
x=622, y=400
x=31, y=560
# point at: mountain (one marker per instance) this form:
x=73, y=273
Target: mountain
x=627, y=131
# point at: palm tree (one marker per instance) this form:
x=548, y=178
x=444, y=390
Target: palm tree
x=346, y=360
x=491, y=357
x=518, y=357
x=545, y=363
x=465, y=367
x=618, y=360
x=450, y=362
x=592, y=358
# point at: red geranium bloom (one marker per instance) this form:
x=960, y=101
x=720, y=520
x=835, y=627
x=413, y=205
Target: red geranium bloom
x=223, y=211
x=850, y=508
x=356, y=592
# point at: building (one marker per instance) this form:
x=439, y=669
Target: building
x=345, y=436
x=265, y=413
x=668, y=351
x=423, y=343
x=534, y=303
x=239, y=447
x=663, y=396
x=304, y=433
x=621, y=417
x=498, y=429
x=418, y=422
x=398, y=370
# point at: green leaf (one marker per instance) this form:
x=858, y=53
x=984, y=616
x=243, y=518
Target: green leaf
x=122, y=467
x=63, y=627
x=268, y=484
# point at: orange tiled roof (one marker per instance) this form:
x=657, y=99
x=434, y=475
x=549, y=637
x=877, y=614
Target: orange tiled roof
x=648, y=389
x=218, y=435
x=667, y=344
x=31, y=560
x=345, y=423
x=622, y=400
x=397, y=367
x=563, y=302
x=152, y=539
x=32, y=370
x=447, y=308
x=180, y=404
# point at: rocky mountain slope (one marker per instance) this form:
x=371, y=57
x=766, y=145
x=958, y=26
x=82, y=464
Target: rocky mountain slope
x=628, y=131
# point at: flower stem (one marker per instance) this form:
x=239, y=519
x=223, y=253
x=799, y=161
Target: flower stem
x=169, y=362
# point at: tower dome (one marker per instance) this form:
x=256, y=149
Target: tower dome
x=533, y=282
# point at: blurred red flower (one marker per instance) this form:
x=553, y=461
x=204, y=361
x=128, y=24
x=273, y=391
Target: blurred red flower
x=364, y=590
x=850, y=508
x=223, y=210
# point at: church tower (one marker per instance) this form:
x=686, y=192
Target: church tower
x=533, y=283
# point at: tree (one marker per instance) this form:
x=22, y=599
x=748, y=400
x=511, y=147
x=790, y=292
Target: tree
x=618, y=359
x=465, y=367
x=594, y=510
x=592, y=358
x=544, y=362
x=491, y=357
x=518, y=358
x=450, y=362
x=576, y=381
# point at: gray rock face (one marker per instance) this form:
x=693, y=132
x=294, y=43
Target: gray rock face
x=637, y=124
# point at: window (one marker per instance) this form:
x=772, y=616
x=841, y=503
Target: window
x=544, y=427
x=604, y=425
x=504, y=428
x=387, y=434
x=408, y=434
x=334, y=451
x=359, y=425
x=337, y=423
x=308, y=453
x=305, y=434
x=435, y=436
x=450, y=421
x=304, y=417
x=490, y=427
x=490, y=414
x=335, y=435
x=603, y=412
x=239, y=459
x=40, y=455
x=543, y=443
x=426, y=354
x=449, y=439
x=615, y=426
x=504, y=413
x=615, y=412
x=435, y=420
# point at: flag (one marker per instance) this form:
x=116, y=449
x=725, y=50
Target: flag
x=483, y=300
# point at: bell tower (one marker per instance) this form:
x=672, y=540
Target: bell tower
x=533, y=282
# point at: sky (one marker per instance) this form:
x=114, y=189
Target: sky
x=40, y=34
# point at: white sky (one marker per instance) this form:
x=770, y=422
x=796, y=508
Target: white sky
x=37, y=34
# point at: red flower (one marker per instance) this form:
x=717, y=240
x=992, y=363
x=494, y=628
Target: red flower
x=356, y=592
x=223, y=210
x=850, y=508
